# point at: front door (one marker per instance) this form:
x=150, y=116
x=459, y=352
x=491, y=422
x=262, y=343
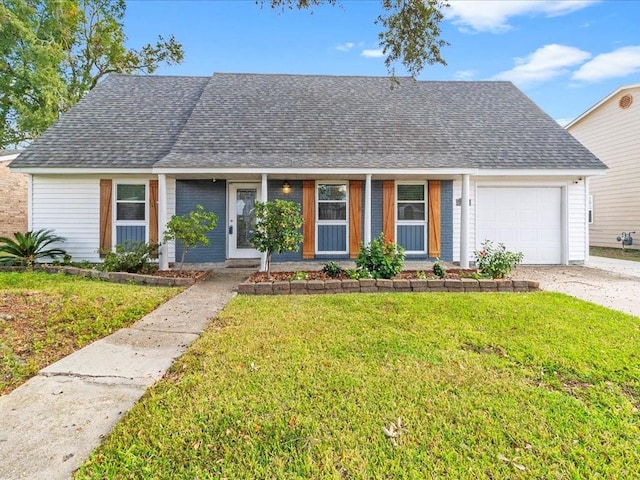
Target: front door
x=242, y=220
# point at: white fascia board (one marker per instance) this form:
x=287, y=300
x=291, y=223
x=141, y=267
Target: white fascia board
x=316, y=171
x=540, y=172
x=82, y=171
x=4, y=158
x=600, y=103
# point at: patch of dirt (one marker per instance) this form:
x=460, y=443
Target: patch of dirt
x=23, y=326
x=320, y=275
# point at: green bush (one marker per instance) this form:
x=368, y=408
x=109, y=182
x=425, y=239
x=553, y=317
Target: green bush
x=191, y=229
x=25, y=249
x=439, y=270
x=332, y=269
x=130, y=257
x=380, y=258
x=496, y=262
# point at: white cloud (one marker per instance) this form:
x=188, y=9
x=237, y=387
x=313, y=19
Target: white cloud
x=345, y=47
x=544, y=64
x=619, y=63
x=377, y=53
x=493, y=15
x=465, y=74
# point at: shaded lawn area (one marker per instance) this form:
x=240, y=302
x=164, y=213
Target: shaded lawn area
x=620, y=253
x=537, y=385
x=44, y=317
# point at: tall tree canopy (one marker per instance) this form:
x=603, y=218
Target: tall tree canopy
x=54, y=51
x=410, y=34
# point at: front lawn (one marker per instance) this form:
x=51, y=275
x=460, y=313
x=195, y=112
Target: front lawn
x=537, y=385
x=620, y=253
x=44, y=317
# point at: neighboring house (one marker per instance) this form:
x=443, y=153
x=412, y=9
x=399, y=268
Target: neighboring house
x=13, y=197
x=611, y=130
x=437, y=166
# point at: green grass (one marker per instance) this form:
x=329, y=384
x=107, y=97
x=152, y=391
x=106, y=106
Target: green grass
x=302, y=386
x=623, y=254
x=53, y=315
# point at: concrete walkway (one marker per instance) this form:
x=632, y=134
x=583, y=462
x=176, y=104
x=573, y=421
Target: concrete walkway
x=52, y=423
x=613, y=265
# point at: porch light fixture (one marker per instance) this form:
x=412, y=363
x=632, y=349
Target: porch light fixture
x=286, y=188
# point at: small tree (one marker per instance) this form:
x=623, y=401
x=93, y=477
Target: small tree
x=278, y=224
x=191, y=229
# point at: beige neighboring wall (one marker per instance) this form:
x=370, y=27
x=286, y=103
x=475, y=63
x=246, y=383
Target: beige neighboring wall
x=13, y=199
x=612, y=133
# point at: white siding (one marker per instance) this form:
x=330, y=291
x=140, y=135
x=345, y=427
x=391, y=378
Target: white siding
x=576, y=222
x=171, y=210
x=457, y=194
x=71, y=207
x=576, y=213
x=613, y=135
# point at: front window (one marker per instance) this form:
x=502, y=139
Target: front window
x=411, y=217
x=331, y=226
x=332, y=201
x=130, y=202
x=130, y=213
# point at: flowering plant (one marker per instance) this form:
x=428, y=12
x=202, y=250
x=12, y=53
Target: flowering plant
x=496, y=262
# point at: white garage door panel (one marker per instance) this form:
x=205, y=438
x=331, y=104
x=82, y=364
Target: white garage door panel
x=526, y=220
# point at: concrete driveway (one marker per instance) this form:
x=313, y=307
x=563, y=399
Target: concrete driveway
x=608, y=282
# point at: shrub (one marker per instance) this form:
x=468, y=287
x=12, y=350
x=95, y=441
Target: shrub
x=332, y=269
x=496, y=262
x=380, y=258
x=27, y=248
x=190, y=229
x=439, y=270
x=131, y=257
x=299, y=276
x=277, y=228
x=357, y=274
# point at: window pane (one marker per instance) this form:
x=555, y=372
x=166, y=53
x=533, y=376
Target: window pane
x=332, y=192
x=131, y=192
x=411, y=211
x=332, y=211
x=410, y=193
x=130, y=211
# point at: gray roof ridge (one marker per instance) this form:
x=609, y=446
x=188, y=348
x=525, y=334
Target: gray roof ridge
x=134, y=75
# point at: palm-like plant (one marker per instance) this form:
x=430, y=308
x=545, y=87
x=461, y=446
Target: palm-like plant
x=27, y=248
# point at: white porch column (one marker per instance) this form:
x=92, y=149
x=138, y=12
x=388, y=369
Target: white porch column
x=263, y=198
x=464, y=223
x=367, y=210
x=163, y=254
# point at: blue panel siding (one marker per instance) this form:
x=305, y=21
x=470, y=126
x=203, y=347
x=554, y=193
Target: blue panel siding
x=446, y=222
x=213, y=197
x=376, y=208
x=332, y=238
x=274, y=192
x=130, y=233
x=411, y=237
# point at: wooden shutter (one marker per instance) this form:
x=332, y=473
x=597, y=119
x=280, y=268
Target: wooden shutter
x=355, y=217
x=434, y=219
x=389, y=210
x=153, y=214
x=106, y=192
x=308, y=216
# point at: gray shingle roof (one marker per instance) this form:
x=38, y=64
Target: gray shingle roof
x=292, y=121
x=126, y=121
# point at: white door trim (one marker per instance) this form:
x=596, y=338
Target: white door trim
x=232, y=227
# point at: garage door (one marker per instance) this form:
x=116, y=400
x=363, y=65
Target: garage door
x=526, y=220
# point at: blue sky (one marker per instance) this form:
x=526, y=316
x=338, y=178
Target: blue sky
x=565, y=55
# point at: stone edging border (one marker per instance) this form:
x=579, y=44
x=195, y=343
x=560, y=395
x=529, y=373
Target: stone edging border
x=367, y=285
x=116, y=277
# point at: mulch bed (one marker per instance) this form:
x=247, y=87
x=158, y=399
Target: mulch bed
x=320, y=275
